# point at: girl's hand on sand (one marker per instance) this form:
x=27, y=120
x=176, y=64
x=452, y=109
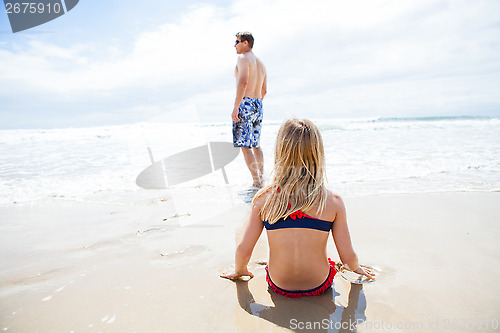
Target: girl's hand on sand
x=366, y=272
x=236, y=276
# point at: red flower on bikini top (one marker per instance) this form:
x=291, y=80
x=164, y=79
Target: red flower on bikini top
x=298, y=215
x=295, y=215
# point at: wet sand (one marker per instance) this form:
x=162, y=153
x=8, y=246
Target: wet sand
x=154, y=267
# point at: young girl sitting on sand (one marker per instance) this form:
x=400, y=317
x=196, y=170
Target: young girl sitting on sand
x=298, y=213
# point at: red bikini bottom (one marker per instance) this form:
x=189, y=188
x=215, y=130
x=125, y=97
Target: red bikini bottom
x=300, y=293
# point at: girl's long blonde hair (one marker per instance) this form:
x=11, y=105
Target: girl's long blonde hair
x=299, y=179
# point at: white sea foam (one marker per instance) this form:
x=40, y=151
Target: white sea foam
x=364, y=156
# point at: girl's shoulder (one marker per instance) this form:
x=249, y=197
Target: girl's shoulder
x=334, y=204
x=262, y=196
x=333, y=199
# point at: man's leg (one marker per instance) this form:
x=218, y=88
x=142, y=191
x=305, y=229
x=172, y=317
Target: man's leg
x=253, y=166
x=259, y=157
x=257, y=151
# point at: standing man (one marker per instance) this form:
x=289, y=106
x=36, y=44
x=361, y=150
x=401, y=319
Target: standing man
x=247, y=112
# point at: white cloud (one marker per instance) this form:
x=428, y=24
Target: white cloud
x=172, y=54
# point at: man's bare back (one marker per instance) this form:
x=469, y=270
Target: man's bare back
x=256, y=75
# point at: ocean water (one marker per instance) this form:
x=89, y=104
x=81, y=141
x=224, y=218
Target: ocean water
x=364, y=157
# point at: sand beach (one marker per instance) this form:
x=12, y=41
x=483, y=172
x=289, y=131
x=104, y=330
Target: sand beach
x=84, y=249
x=154, y=266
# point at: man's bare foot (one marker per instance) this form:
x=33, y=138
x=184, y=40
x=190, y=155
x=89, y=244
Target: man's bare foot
x=259, y=183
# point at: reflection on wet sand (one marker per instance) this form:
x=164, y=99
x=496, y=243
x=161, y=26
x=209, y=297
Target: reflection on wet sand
x=318, y=313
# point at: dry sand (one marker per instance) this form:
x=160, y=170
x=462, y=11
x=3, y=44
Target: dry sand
x=91, y=267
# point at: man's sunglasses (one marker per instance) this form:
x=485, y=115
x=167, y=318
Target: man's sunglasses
x=238, y=41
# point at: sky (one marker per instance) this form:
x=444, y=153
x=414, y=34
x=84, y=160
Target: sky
x=121, y=61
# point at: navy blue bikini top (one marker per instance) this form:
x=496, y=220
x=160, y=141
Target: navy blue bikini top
x=300, y=220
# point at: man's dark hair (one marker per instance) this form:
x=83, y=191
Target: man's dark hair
x=246, y=36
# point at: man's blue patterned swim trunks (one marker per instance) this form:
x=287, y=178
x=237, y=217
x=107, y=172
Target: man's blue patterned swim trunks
x=246, y=132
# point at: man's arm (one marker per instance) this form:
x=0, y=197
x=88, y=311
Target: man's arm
x=264, y=87
x=241, y=85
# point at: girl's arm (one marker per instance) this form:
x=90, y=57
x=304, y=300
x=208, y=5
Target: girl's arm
x=342, y=239
x=247, y=244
